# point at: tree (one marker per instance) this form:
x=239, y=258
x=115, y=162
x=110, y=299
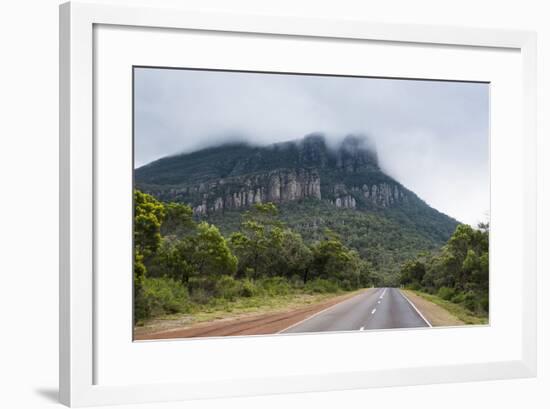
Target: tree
x=172, y=260
x=259, y=232
x=148, y=217
x=211, y=255
x=287, y=254
x=139, y=270
x=412, y=272
x=460, y=269
x=178, y=220
x=251, y=244
x=461, y=241
x=263, y=213
x=204, y=255
x=332, y=260
x=366, y=276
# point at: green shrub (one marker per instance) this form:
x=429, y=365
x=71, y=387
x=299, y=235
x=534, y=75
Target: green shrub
x=201, y=295
x=248, y=288
x=159, y=296
x=470, y=301
x=249, y=272
x=227, y=288
x=415, y=285
x=274, y=286
x=346, y=285
x=484, y=302
x=321, y=286
x=446, y=293
x=195, y=285
x=458, y=298
x=297, y=281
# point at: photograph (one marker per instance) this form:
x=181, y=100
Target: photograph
x=270, y=203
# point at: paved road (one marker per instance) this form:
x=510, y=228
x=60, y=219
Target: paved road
x=380, y=308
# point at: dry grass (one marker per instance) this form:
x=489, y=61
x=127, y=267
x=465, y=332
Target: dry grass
x=443, y=313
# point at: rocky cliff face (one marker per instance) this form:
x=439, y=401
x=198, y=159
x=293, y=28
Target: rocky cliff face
x=279, y=186
x=383, y=195
x=236, y=176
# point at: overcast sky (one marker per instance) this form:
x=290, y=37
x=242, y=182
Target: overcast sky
x=431, y=136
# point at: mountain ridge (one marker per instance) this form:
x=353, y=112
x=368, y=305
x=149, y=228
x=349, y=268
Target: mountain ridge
x=315, y=186
x=280, y=172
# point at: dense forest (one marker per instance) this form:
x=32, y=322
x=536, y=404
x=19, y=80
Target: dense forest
x=180, y=263
x=385, y=237
x=459, y=272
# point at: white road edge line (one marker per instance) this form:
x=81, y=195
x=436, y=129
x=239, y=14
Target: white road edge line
x=416, y=309
x=373, y=311
x=318, y=313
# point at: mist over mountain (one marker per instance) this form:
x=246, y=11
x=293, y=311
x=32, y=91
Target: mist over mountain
x=316, y=186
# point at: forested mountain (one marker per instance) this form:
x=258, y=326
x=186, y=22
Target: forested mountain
x=315, y=187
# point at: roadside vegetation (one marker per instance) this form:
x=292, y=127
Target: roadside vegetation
x=385, y=237
x=457, y=276
x=185, y=266
x=458, y=310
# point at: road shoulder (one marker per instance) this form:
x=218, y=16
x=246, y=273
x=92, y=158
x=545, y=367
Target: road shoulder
x=436, y=315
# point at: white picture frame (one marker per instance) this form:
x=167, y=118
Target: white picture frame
x=78, y=156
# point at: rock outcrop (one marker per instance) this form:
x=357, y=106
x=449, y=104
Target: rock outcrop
x=235, y=193
x=383, y=195
x=237, y=176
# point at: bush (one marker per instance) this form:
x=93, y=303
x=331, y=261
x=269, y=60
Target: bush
x=248, y=288
x=201, y=295
x=458, y=298
x=321, y=286
x=415, y=285
x=446, y=293
x=470, y=301
x=276, y=286
x=346, y=285
x=159, y=296
x=227, y=288
x=297, y=281
x=484, y=303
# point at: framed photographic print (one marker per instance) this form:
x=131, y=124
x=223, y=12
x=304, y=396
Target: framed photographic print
x=250, y=204
x=243, y=232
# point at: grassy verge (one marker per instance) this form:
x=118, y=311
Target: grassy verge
x=457, y=310
x=219, y=309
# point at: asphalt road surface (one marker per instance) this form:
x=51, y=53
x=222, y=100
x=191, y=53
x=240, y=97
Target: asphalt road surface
x=381, y=308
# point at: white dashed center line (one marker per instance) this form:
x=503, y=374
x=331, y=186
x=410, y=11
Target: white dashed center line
x=383, y=292
x=378, y=302
x=361, y=329
x=373, y=311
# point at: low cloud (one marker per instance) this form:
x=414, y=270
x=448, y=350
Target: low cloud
x=432, y=136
